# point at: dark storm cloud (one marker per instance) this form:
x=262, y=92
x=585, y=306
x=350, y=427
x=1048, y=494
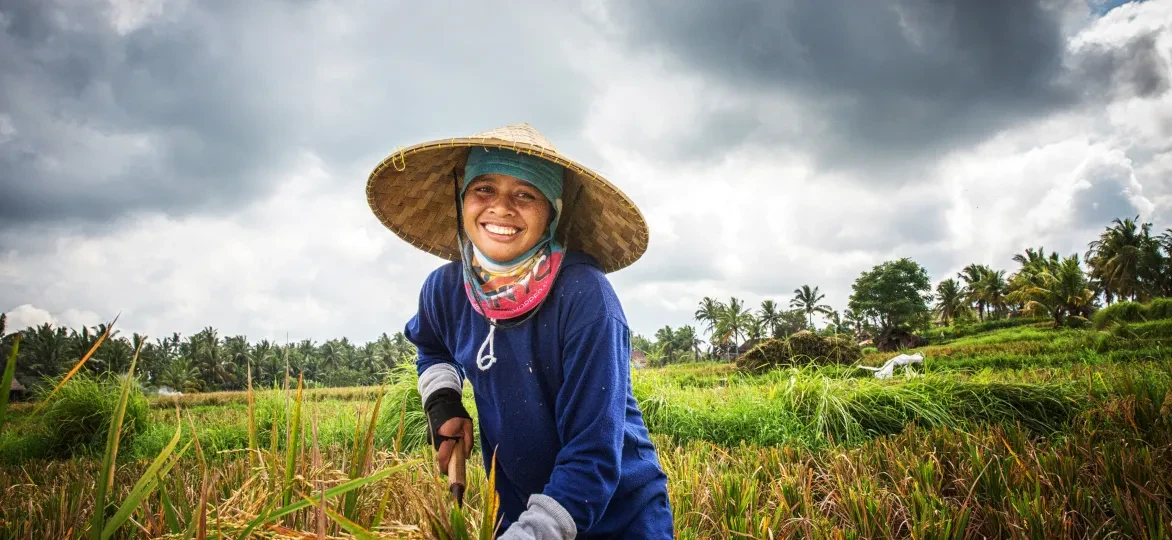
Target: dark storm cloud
x=205, y=110
x=880, y=82
x=1136, y=68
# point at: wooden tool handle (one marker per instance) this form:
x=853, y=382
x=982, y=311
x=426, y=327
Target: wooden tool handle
x=456, y=464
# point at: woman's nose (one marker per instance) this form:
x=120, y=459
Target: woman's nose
x=501, y=205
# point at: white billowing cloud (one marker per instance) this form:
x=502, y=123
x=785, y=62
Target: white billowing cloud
x=129, y=15
x=26, y=315
x=311, y=261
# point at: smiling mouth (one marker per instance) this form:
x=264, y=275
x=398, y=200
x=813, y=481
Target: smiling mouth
x=500, y=230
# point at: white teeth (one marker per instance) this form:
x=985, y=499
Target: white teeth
x=497, y=229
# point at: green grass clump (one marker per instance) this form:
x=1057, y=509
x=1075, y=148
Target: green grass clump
x=77, y=418
x=1160, y=308
x=969, y=328
x=811, y=410
x=1160, y=329
x=1120, y=312
x=1133, y=312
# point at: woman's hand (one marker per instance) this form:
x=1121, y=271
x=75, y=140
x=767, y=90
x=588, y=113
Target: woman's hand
x=454, y=427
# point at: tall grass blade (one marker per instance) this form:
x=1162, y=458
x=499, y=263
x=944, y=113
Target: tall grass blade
x=85, y=358
x=145, y=485
x=252, y=448
x=363, y=447
x=490, y=506
x=202, y=514
x=106, y=477
x=402, y=421
x=169, y=515
x=354, y=529
x=6, y=382
x=291, y=450
x=320, y=517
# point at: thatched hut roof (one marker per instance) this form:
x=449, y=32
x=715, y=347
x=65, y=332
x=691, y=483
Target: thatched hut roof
x=638, y=358
x=16, y=386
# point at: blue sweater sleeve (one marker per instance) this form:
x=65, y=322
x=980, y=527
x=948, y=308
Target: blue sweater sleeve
x=423, y=330
x=591, y=409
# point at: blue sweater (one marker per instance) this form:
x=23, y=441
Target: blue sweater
x=557, y=405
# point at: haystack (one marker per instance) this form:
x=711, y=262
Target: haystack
x=800, y=349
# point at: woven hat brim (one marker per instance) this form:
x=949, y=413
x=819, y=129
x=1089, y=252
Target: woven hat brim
x=412, y=194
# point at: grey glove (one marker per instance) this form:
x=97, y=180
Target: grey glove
x=544, y=519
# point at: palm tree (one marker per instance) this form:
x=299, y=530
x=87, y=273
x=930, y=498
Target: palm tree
x=1126, y=259
x=992, y=289
x=770, y=316
x=709, y=313
x=181, y=375
x=268, y=363
x=666, y=337
x=686, y=338
x=806, y=299
x=754, y=329
x=971, y=275
x=950, y=300
x=733, y=320
x=853, y=322
x=836, y=324
x=1061, y=291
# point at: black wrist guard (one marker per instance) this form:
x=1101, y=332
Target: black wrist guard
x=443, y=405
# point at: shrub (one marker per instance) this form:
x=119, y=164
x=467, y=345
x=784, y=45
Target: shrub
x=1120, y=312
x=801, y=349
x=1158, y=329
x=77, y=417
x=1160, y=308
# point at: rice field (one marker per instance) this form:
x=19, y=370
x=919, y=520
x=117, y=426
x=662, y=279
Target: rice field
x=1022, y=432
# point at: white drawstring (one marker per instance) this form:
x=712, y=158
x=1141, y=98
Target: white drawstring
x=485, y=361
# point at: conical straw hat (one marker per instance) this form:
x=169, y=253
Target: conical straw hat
x=413, y=193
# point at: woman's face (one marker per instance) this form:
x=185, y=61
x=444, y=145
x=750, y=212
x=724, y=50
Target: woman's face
x=504, y=216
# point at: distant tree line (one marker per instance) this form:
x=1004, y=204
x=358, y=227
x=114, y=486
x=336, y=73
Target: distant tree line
x=896, y=298
x=206, y=361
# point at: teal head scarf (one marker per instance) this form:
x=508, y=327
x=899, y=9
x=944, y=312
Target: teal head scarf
x=542, y=174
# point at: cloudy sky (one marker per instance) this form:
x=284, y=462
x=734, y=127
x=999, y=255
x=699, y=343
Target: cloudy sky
x=192, y=163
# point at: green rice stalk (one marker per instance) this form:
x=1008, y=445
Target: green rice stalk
x=490, y=506
x=170, y=517
x=321, y=508
x=362, y=450
x=6, y=382
x=252, y=448
x=291, y=450
x=459, y=525
x=198, y=449
x=382, y=507
x=106, y=479
x=146, y=484
x=402, y=422
x=353, y=528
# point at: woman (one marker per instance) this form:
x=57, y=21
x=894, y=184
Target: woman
x=526, y=314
